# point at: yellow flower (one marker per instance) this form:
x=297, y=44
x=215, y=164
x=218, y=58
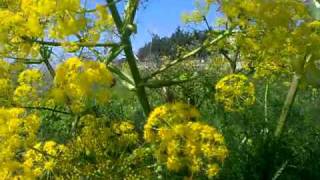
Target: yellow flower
x=5, y=86
x=173, y=147
x=50, y=147
x=78, y=82
x=58, y=95
x=41, y=160
x=38, y=171
x=16, y=136
x=235, y=92
x=269, y=69
x=173, y=163
x=30, y=76
x=213, y=170
x=181, y=141
x=104, y=19
x=33, y=25
x=46, y=7
x=25, y=94
x=28, y=163
x=195, y=165
x=49, y=165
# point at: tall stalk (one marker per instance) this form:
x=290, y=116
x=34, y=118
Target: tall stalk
x=125, y=31
x=266, y=93
x=300, y=68
x=287, y=104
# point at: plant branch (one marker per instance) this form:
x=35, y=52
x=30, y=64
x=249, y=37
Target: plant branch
x=49, y=67
x=266, y=93
x=45, y=54
x=42, y=108
x=207, y=23
x=279, y=172
x=112, y=68
x=120, y=74
x=80, y=44
x=230, y=60
x=290, y=99
x=287, y=105
x=43, y=153
x=25, y=60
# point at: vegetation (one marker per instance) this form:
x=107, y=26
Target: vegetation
x=236, y=101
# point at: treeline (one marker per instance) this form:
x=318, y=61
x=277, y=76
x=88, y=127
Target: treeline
x=173, y=46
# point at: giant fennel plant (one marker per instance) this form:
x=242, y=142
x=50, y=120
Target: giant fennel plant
x=174, y=136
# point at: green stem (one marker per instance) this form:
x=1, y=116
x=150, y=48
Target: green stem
x=280, y=171
x=287, y=105
x=130, y=57
x=42, y=108
x=266, y=93
x=49, y=67
x=24, y=60
x=79, y=44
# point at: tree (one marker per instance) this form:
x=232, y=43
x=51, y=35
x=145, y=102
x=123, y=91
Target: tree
x=180, y=41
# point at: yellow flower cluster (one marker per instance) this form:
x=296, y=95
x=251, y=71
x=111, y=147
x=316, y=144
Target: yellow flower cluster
x=17, y=133
x=269, y=70
x=43, y=157
x=29, y=88
x=202, y=8
x=269, y=30
x=5, y=82
x=269, y=13
x=82, y=82
x=10, y=19
x=24, y=21
x=178, y=113
x=8, y=78
x=235, y=92
x=63, y=14
x=104, y=19
x=281, y=30
x=125, y=133
x=96, y=145
x=182, y=142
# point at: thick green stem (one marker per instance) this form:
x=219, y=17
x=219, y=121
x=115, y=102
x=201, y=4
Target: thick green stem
x=287, y=105
x=126, y=42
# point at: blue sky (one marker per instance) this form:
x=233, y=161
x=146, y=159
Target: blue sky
x=160, y=17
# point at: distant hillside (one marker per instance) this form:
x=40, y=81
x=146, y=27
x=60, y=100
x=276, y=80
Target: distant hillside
x=180, y=41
